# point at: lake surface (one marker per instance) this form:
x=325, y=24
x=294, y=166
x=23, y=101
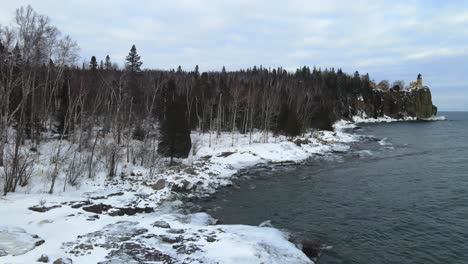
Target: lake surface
x=399, y=196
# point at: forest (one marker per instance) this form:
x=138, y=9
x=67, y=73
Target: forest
x=99, y=107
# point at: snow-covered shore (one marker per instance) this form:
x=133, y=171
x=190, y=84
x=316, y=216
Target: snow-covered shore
x=137, y=217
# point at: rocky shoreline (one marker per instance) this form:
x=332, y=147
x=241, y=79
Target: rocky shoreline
x=139, y=217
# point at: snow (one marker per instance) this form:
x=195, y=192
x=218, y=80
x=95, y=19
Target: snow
x=213, y=164
x=15, y=241
x=435, y=118
x=386, y=119
x=66, y=228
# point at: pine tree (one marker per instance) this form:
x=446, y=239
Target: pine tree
x=93, y=63
x=16, y=96
x=175, y=139
x=288, y=123
x=108, y=63
x=196, y=72
x=133, y=62
x=62, y=111
x=132, y=65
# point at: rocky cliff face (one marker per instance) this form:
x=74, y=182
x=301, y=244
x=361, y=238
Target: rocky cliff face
x=416, y=103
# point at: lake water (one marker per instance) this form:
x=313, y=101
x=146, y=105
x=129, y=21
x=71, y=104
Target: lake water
x=398, y=196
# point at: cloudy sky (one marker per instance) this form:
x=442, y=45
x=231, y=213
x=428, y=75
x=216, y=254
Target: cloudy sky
x=388, y=39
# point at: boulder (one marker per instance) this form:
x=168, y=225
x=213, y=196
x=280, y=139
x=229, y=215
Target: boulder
x=63, y=261
x=176, y=231
x=161, y=224
x=43, y=209
x=97, y=208
x=160, y=184
x=183, y=187
x=130, y=211
x=312, y=249
x=43, y=258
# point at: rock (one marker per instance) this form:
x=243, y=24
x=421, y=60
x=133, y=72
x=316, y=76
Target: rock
x=43, y=222
x=43, y=258
x=161, y=224
x=415, y=103
x=186, y=249
x=299, y=142
x=15, y=241
x=171, y=198
x=110, y=237
x=183, y=187
x=3, y=253
x=190, y=171
x=93, y=217
x=207, y=157
x=130, y=211
x=63, y=261
x=160, y=184
x=43, y=209
x=80, y=204
x=39, y=242
x=106, y=196
x=225, y=154
x=131, y=252
x=169, y=239
x=311, y=248
x=97, y=208
x=176, y=231
x=210, y=239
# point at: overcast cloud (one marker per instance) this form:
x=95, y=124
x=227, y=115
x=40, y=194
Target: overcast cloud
x=388, y=39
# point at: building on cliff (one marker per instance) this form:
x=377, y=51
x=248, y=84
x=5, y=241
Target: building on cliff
x=418, y=83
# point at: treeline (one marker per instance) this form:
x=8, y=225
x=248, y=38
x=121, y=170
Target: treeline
x=43, y=92
x=43, y=88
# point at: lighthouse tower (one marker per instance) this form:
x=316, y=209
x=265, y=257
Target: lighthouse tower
x=419, y=82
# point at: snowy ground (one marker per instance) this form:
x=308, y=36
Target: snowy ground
x=139, y=218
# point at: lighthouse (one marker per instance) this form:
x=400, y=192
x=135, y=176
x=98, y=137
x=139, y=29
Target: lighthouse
x=419, y=82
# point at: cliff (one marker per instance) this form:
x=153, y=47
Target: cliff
x=415, y=103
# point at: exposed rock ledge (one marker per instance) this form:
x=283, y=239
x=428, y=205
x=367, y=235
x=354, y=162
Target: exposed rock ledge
x=415, y=103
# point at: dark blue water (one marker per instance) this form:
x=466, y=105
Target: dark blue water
x=401, y=203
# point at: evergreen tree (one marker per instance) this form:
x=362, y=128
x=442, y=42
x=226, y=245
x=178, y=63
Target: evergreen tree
x=132, y=65
x=64, y=100
x=16, y=95
x=288, y=123
x=175, y=139
x=93, y=63
x=108, y=63
x=133, y=62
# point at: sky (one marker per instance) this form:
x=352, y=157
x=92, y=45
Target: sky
x=389, y=39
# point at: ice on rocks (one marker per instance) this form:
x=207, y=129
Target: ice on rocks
x=15, y=241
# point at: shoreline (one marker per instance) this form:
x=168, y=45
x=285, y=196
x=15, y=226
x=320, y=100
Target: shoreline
x=198, y=175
